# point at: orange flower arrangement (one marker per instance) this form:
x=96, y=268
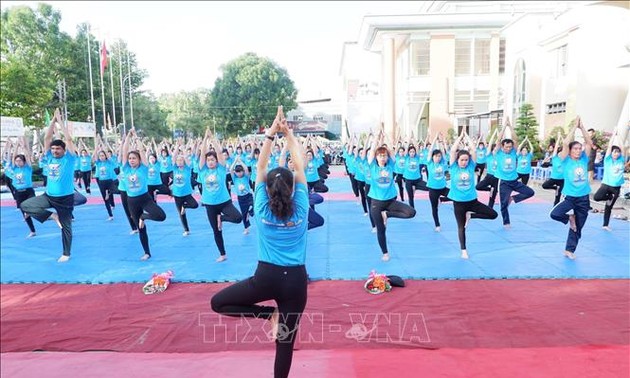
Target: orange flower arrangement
x=377, y=283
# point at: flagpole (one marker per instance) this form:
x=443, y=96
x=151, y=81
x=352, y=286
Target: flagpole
x=90, y=69
x=130, y=93
x=122, y=86
x=102, y=88
x=111, y=81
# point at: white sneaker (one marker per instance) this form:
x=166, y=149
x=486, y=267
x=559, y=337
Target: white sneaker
x=63, y=258
x=186, y=233
x=221, y=258
x=464, y=254
x=145, y=257
x=246, y=231
x=570, y=255
x=385, y=257
x=438, y=229
x=607, y=228
x=109, y=219
x=30, y=235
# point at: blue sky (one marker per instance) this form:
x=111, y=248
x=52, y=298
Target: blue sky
x=183, y=44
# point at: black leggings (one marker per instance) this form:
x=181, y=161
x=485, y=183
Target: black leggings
x=557, y=185
x=398, y=177
x=354, y=183
x=154, y=190
x=143, y=207
x=187, y=202
x=87, y=178
x=435, y=196
x=480, y=167
x=489, y=184
x=287, y=287
x=125, y=203
x=610, y=195
x=361, y=185
x=228, y=214
x=524, y=177
x=411, y=186
x=246, y=204
x=369, y=204
x=319, y=187
x=167, y=179
x=478, y=209
x=394, y=209
x=20, y=196
x=105, y=187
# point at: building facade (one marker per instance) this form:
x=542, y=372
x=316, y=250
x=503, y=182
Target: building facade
x=468, y=63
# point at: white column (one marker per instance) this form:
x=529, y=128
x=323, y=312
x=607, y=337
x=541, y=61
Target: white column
x=389, y=85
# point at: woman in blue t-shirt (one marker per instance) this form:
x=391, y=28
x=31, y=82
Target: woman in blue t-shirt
x=141, y=205
x=412, y=174
x=105, y=179
x=383, y=192
x=215, y=197
x=613, y=179
x=524, y=161
x=22, y=180
x=576, y=188
x=182, y=189
x=240, y=178
x=399, y=169
x=436, y=180
x=489, y=183
x=556, y=178
x=281, y=206
x=463, y=193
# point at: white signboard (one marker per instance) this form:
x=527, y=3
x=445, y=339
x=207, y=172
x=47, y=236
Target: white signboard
x=11, y=126
x=82, y=129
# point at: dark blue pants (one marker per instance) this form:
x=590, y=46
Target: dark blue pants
x=580, y=206
x=505, y=191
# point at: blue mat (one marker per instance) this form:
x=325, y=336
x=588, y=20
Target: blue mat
x=345, y=248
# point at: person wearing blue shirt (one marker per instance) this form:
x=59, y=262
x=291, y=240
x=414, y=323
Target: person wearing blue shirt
x=463, y=193
x=507, y=175
x=613, y=179
x=215, y=197
x=229, y=159
x=22, y=179
x=556, y=178
x=182, y=190
x=141, y=206
x=524, y=161
x=85, y=168
x=122, y=190
x=313, y=179
x=61, y=157
x=412, y=174
x=165, y=162
x=361, y=166
x=349, y=157
x=399, y=168
x=383, y=192
x=154, y=178
x=482, y=155
x=576, y=187
x=281, y=207
x=436, y=180
x=490, y=183
x=240, y=178
x=253, y=160
x=105, y=179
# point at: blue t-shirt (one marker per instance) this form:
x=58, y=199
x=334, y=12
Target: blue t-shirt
x=435, y=172
x=136, y=180
x=85, y=164
x=254, y=170
x=399, y=161
x=350, y=163
x=412, y=168
x=576, y=176
x=382, y=186
x=181, y=181
x=105, y=169
x=77, y=165
x=60, y=174
x=482, y=155
x=557, y=171
x=122, y=181
x=43, y=163
x=506, y=167
x=241, y=184
x=194, y=161
x=282, y=242
x=491, y=164
x=613, y=171
x=463, y=182
x=214, y=189
x=22, y=177
x=310, y=170
x=524, y=164
x=154, y=174
x=166, y=164
x=360, y=164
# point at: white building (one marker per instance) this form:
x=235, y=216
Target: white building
x=468, y=63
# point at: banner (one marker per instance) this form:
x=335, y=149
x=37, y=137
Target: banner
x=82, y=129
x=11, y=126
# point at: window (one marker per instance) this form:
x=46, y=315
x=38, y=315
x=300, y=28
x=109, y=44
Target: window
x=420, y=53
x=482, y=56
x=558, y=107
x=502, y=57
x=520, y=77
x=337, y=117
x=462, y=57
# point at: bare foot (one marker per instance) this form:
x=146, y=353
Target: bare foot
x=55, y=217
x=275, y=322
x=133, y=232
x=219, y=223
x=384, y=214
x=374, y=230
x=507, y=226
x=468, y=216
x=30, y=235
x=438, y=229
x=145, y=257
x=221, y=258
x=63, y=259
x=186, y=233
x=464, y=254
x=607, y=228
x=385, y=257
x=569, y=255
x=572, y=224
x=246, y=231
x=183, y=211
x=141, y=223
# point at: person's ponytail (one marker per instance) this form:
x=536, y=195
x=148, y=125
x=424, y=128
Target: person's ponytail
x=279, y=190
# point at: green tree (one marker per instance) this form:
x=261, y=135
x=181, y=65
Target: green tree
x=187, y=111
x=149, y=120
x=527, y=126
x=248, y=93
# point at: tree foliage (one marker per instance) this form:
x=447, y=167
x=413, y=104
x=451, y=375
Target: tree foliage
x=527, y=126
x=248, y=93
x=187, y=111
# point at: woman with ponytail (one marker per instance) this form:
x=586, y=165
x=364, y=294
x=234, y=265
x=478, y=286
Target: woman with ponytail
x=281, y=208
